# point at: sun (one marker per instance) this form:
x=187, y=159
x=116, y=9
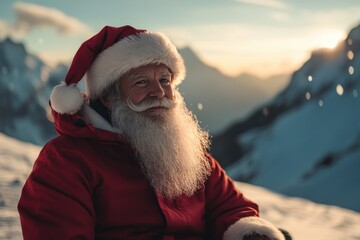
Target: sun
x=329, y=38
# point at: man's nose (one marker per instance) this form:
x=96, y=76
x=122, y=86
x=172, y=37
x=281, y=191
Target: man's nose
x=156, y=90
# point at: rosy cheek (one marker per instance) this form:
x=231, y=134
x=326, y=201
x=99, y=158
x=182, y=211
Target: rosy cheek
x=136, y=96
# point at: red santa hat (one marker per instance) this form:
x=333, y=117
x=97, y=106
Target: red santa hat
x=107, y=56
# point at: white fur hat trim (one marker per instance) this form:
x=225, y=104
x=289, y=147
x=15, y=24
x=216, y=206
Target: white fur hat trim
x=129, y=53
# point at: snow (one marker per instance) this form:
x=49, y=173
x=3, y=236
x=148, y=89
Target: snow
x=302, y=218
x=16, y=160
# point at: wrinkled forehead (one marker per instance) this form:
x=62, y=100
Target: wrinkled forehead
x=149, y=70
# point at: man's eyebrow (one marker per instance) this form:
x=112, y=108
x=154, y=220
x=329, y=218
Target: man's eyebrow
x=137, y=75
x=142, y=75
x=166, y=74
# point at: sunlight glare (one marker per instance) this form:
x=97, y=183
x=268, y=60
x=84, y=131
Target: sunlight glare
x=339, y=90
x=351, y=70
x=330, y=38
x=355, y=93
x=350, y=55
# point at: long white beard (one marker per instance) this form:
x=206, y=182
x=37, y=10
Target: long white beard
x=170, y=146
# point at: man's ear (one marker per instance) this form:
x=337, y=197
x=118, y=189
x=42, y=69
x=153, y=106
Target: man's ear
x=106, y=101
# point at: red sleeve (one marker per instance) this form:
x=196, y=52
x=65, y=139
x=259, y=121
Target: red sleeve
x=225, y=203
x=56, y=200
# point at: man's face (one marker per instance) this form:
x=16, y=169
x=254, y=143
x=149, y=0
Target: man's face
x=168, y=140
x=147, y=82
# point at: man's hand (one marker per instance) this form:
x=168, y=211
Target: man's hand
x=256, y=236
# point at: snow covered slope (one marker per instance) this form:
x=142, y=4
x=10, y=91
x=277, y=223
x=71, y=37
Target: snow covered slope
x=304, y=219
x=306, y=141
x=16, y=160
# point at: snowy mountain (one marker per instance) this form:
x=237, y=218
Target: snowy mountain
x=304, y=219
x=25, y=86
x=306, y=141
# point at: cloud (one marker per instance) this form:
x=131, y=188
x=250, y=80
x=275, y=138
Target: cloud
x=30, y=16
x=266, y=3
x=280, y=16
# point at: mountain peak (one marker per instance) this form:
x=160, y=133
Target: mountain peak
x=354, y=34
x=187, y=50
x=188, y=53
x=191, y=58
x=8, y=42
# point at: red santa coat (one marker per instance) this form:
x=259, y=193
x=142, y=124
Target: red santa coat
x=86, y=184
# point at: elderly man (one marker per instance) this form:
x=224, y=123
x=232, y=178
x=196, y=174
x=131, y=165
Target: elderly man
x=130, y=160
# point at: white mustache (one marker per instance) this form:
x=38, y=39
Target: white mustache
x=151, y=103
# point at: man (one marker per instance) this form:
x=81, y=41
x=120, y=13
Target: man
x=131, y=161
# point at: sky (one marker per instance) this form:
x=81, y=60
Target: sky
x=260, y=37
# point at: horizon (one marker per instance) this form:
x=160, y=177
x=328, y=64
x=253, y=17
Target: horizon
x=261, y=38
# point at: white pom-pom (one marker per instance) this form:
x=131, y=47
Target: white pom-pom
x=66, y=99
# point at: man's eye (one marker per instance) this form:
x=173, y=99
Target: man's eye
x=165, y=81
x=141, y=82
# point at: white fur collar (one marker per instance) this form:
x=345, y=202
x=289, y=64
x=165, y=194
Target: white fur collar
x=93, y=118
